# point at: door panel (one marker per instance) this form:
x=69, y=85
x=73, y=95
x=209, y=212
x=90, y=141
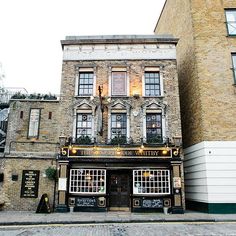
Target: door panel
x=119, y=194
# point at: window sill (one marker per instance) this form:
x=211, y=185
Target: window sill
x=160, y=96
x=120, y=96
x=83, y=96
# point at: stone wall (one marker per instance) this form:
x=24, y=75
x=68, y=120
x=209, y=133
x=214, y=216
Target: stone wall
x=17, y=135
x=204, y=67
x=22, y=153
x=135, y=73
x=10, y=190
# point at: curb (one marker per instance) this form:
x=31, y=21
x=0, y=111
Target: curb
x=16, y=223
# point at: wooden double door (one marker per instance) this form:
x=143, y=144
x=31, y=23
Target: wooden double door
x=119, y=190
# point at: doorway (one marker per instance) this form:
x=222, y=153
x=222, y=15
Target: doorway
x=119, y=191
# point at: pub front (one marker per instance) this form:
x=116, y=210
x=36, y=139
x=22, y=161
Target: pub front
x=137, y=179
x=120, y=126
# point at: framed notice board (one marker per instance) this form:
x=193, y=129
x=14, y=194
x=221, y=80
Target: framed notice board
x=30, y=184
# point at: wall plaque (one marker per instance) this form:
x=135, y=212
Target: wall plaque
x=86, y=202
x=30, y=184
x=62, y=184
x=152, y=203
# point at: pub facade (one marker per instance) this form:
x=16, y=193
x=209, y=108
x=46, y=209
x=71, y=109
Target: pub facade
x=121, y=131
x=113, y=137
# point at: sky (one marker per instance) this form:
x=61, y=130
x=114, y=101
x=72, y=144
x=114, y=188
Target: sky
x=31, y=30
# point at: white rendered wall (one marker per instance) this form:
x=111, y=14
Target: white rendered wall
x=210, y=172
x=119, y=52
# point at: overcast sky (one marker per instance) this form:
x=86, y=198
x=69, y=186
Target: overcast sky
x=31, y=30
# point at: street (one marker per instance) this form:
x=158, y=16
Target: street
x=123, y=229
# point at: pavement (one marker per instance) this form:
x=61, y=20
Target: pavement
x=32, y=218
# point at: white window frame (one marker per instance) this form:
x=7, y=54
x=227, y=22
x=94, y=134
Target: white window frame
x=85, y=127
x=230, y=23
x=80, y=181
x=34, y=123
x=117, y=111
x=145, y=112
x=234, y=66
x=84, y=70
x=119, y=135
x=161, y=121
x=81, y=111
x=144, y=181
x=157, y=70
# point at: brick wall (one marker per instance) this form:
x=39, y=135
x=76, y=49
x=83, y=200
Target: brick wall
x=17, y=135
x=135, y=71
x=10, y=190
x=204, y=61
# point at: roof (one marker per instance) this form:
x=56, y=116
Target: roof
x=121, y=39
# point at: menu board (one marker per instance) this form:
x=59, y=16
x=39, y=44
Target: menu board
x=30, y=183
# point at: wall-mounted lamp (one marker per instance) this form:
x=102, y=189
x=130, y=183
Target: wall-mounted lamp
x=177, y=141
x=62, y=140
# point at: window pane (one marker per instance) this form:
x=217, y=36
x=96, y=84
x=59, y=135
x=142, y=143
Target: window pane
x=85, y=84
x=34, y=123
x=118, y=125
x=87, y=181
x=231, y=21
x=152, y=84
x=154, y=128
x=84, y=125
x=153, y=181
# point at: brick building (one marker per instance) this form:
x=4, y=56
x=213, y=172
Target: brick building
x=206, y=70
x=117, y=123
